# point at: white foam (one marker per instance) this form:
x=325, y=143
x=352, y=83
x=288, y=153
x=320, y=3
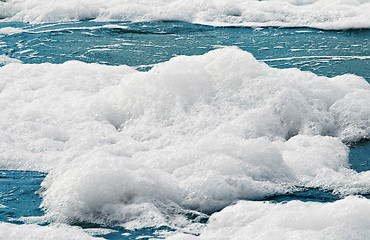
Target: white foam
x=342, y=220
x=108, y=26
x=6, y=60
x=99, y=231
x=10, y=31
x=325, y=14
x=194, y=133
x=34, y=232
x=319, y=57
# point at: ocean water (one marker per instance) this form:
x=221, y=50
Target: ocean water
x=184, y=119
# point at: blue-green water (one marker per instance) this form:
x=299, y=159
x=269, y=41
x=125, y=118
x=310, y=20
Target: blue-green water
x=359, y=156
x=327, y=53
x=18, y=195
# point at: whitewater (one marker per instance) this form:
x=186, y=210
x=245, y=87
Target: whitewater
x=324, y=14
x=184, y=119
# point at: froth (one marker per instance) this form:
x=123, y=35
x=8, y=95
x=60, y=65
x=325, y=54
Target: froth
x=334, y=14
x=33, y=231
x=345, y=219
x=192, y=134
x=5, y=60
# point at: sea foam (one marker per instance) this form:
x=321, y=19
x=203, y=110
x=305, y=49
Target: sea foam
x=5, y=60
x=344, y=220
x=193, y=134
x=9, y=31
x=333, y=14
x=35, y=232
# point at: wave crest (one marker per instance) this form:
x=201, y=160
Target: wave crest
x=323, y=14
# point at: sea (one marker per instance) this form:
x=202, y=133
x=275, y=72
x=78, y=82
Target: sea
x=169, y=119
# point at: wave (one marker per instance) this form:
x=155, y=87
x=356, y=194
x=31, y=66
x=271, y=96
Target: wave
x=322, y=14
x=190, y=136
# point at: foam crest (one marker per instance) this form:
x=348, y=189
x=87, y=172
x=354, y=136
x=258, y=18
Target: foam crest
x=193, y=134
x=343, y=219
x=333, y=14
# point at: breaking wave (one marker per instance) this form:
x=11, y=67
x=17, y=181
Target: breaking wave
x=323, y=14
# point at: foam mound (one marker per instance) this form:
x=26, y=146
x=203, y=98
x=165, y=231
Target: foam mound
x=343, y=220
x=324, y=14
x=193, y=134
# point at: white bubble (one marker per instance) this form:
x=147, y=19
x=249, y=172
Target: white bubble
x=196, y=133
x=324, y=14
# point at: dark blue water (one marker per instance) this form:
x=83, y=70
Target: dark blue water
x=327, y=53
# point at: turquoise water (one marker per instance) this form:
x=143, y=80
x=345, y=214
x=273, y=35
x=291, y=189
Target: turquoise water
x=18, y=195
x=327, y=53
x=359, y=156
